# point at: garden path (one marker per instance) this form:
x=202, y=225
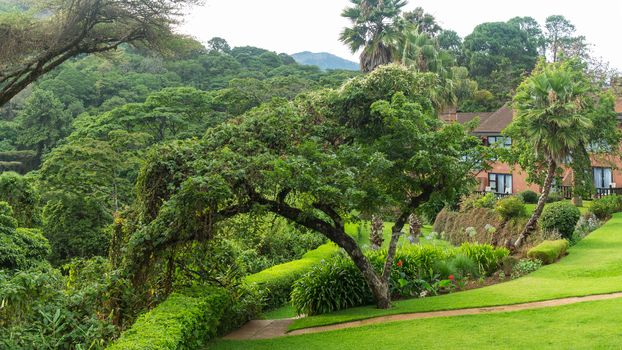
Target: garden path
x=263, y=329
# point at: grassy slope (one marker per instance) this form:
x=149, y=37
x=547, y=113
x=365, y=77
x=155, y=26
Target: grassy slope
x=594, y=266
x=589, y=325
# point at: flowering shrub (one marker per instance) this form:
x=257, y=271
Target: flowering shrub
x=585, y=225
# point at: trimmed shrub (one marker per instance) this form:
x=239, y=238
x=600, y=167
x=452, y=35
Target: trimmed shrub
x=604, y=207
x=182, y=321
x=529, y=197
x=487, y=257
x=561, y=217
x=276, y=282
x=332, y=285
x=511, y=208
x=549, y=251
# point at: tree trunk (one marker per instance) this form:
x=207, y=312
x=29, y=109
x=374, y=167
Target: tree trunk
x=531, y=224
x=378, y=285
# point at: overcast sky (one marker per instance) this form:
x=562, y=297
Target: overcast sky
x=292, y=26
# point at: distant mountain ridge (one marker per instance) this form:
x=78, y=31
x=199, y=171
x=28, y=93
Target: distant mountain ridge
x=324, y=60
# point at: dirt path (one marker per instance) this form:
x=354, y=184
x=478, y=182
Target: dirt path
x=262, y=329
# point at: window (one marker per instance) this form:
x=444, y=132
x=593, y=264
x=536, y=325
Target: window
x=603, y=177
x=500, y=141
x=500, y=183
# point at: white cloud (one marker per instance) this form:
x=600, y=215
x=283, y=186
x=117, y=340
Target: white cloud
x=291, y=26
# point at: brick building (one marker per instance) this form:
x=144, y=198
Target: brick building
x=503, y=178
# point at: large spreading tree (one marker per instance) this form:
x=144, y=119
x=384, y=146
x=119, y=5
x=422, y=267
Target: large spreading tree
x=375, y=145
x=42, y=35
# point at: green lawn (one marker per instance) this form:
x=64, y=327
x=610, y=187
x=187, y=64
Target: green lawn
x=593, y=266
x=584, y=209
x=589, y=325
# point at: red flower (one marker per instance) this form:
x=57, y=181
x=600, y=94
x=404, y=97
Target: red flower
x=451, y=277
x=400, y=263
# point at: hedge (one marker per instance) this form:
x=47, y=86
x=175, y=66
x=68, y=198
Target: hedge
x=182, y=321
x=549, y=251
x=277, y=281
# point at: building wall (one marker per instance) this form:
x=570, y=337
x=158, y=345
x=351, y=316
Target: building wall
x=519, y=176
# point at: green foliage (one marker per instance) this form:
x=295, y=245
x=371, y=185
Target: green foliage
x=511, y=207
x=476, y=200
x=276, y=282
x=560, y=217
x=554, y=197
x=530, y=197
x=19, y=192
x=42, y=309
x=19, y=248
x=462, y=266
x=487, y=257
x=75, y=228
x=183, y=321
x=604, y=207
x=497, y=54
x=331, y=285
x=549, y=251
x=419, y=270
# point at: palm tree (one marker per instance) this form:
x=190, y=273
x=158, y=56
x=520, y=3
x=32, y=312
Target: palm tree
x=419, y=50
x=548, y=107
x=374, y=30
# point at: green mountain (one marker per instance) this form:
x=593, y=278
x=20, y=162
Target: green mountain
x=324, y=60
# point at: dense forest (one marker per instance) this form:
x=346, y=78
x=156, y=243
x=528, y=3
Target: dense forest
x=131, y=171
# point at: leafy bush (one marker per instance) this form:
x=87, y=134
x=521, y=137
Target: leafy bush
x=477, y=200
x=554, y=197
x=463, y=266
x=525, y=267
x=604, y=207
x=487, y=257
x=332, y=285
x=45, y=310
x=182, y=321
x=511, y=208
x=20, y=249
x=561, y=217
x=276, y=282
x=529, y=197
x=549, y=251
x=75, y=228
x=19, y=191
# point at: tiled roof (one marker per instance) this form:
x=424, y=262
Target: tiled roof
x=496, y=122
x=467, y=117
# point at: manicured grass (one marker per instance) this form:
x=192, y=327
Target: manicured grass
x=589, y=325
x=593, y=266
x=584, y=209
